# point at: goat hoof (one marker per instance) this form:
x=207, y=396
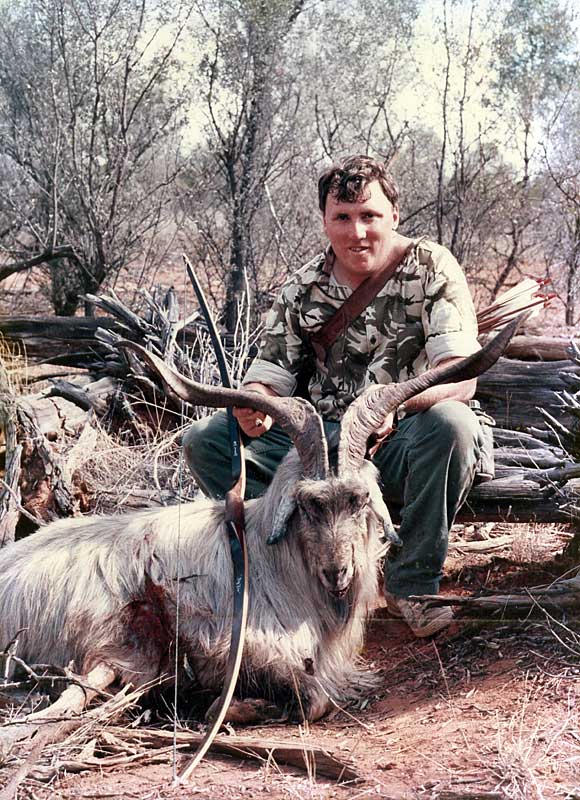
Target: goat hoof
x=245, y=712
x=310, y=709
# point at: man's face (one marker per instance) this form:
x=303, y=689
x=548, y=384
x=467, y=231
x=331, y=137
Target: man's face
x=361, y=233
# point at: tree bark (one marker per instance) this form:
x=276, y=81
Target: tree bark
x=9, y=491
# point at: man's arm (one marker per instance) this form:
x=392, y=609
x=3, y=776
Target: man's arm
x=462, y=391
x=255, y=423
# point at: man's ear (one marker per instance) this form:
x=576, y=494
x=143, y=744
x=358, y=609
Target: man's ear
x=395, y=217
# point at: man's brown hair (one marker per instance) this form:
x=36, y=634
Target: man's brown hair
x=347, y=181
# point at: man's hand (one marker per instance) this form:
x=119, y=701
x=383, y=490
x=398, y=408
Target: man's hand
x=255, y=423
x=381, y=434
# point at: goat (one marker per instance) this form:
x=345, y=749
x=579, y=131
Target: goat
x=103, y=592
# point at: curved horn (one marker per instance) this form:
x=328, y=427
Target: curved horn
x=294, y=415
x=367, y=413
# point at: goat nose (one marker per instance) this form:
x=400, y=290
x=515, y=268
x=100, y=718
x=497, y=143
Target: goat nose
x=334, y=575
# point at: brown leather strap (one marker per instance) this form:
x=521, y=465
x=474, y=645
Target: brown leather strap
x=353, y=306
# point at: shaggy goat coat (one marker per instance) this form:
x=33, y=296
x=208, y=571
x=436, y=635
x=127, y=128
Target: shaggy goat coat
x=106, y=590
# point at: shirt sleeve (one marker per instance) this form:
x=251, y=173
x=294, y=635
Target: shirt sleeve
x=282, y=351
x=449, y=318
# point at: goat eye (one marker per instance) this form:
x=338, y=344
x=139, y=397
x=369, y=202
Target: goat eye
x=313, y=509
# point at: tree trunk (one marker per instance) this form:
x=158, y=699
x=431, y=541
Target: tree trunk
x=573, y=269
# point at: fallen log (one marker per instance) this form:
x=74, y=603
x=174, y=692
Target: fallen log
x=513, y=392
x=45, y=484
x=10, y=497
x=67, y=341
x=157, y=746
x=561, y=595
x=9, y=489
x=538, y=348
x=71, y=339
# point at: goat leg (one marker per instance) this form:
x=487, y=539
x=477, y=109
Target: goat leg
x=247, y=712
x=57, y=718
x=75, y=698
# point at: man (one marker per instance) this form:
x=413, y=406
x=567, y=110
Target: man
x=421, y=318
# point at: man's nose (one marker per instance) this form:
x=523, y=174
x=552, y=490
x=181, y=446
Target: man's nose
x=358, y=229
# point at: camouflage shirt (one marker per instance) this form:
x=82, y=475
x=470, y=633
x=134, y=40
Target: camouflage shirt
x=423, y=315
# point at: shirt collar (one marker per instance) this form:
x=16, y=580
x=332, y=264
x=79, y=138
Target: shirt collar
x=329, y=261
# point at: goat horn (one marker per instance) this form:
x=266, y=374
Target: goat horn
x=297, y=417
x=367, y=413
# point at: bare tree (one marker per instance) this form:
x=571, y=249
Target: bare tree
x=535, y=57
x=360, y=63
x=535, y=63
x=562, y=206
x=250, y=102
x=89, y=117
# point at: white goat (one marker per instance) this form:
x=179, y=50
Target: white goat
x=103, y=592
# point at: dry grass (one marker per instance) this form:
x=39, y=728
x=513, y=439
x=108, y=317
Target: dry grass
x=13, y=368
x=121, y=475
x=531, y=542
x=532, y=748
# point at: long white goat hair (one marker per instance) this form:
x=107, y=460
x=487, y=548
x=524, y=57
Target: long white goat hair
x=105, y=589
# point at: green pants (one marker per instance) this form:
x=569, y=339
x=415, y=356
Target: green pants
x=427, y=467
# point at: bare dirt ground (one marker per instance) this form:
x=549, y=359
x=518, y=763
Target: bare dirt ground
x=488, y=709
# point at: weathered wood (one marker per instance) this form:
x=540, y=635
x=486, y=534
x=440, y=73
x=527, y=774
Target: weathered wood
x=534, y=483
x=10, y=492
x=511, y=391
x=516, y=499
x=10, y=497
x=59, y=340
x=46, y=489
x=543, y=458
x=503, y=437
x=539, y=348
x=561, y=595
x=94, y=396
x=296, y=754
x=52, y=416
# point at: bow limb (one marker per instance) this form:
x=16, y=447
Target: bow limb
x=234, y=518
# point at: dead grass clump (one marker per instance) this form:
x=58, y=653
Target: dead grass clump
x=529, y=746
x=118, y=474
x=531, y=542
x=13, y=366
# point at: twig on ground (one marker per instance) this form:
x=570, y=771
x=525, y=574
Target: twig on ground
x=36, y=520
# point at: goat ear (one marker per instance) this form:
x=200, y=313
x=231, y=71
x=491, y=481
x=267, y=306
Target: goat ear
x=281, y=519
x=380, y=508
